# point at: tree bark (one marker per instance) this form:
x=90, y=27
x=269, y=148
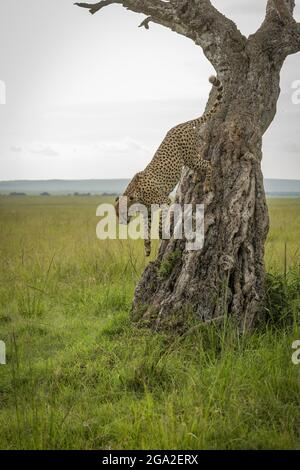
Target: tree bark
x=227, y=277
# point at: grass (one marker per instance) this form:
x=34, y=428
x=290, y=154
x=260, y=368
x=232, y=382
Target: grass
x=79, y=376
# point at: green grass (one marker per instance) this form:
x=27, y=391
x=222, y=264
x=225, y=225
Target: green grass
x=80, y=376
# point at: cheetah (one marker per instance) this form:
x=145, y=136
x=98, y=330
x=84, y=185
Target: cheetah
x=178, y=149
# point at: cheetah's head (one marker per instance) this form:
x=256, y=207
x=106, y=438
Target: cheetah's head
x=132, y=195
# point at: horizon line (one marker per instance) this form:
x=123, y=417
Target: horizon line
x=108, y=179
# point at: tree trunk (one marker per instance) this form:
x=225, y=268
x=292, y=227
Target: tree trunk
x=228, y=275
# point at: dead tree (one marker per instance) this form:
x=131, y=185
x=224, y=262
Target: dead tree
x=228, y=274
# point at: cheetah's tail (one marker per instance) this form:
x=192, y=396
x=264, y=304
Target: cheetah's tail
x=214, y=81
x=218, y=85
x=208, y=114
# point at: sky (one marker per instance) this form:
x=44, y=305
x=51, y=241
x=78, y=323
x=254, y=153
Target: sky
x=93, y=96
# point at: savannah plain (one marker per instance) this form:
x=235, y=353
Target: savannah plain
x=81, y=375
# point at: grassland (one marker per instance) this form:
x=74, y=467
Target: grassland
x=79, y=375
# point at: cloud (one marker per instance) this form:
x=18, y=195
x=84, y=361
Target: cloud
x=292, y=147
x=45, y=150
x=123, y=146
x=16, y=149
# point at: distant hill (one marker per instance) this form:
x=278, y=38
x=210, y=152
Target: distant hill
x=61, y=187
x=282, y=188
x=274, y=188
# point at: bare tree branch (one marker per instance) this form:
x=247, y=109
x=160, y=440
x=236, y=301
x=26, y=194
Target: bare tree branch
x=93, y=8
x=157, y=8
x=198, y=20
x=290, y=40
x=279, y=33
x=157, y=11
x=146, y=22
x=282, y=8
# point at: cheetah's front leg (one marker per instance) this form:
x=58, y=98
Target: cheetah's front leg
x=163, y=216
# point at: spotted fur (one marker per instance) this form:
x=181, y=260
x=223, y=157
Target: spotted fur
x=178, y=149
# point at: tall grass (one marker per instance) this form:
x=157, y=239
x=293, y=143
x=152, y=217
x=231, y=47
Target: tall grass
x=80, y=376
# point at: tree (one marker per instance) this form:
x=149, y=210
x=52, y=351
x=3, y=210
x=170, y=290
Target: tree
x=228, y=275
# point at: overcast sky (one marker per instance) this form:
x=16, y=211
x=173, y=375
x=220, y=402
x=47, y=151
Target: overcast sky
x=93, y=96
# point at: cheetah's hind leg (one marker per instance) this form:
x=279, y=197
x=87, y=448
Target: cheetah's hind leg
x=147, y=246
